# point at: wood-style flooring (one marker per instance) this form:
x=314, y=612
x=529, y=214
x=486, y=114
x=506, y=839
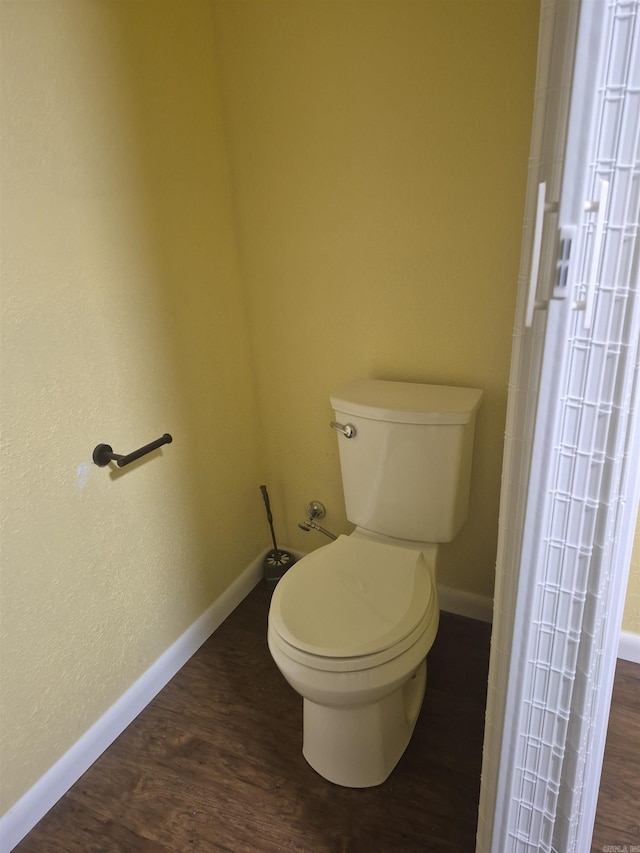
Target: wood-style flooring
x=617, y=828
x=214, y=763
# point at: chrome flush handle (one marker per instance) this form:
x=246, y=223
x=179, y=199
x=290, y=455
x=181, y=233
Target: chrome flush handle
x=348, y=430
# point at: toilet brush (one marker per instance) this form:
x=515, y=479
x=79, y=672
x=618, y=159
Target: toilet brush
x=276, y=561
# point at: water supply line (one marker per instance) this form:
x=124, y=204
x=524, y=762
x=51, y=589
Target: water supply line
x=311, y=525
x=315, y=510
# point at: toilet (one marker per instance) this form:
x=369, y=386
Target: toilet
x=350, y=624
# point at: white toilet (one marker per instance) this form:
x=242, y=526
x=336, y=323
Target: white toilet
x=350, y=624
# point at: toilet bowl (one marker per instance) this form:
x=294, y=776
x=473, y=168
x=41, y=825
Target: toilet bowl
x=350, y=626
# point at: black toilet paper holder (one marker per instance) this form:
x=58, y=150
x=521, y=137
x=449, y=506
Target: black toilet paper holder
x=103, y=453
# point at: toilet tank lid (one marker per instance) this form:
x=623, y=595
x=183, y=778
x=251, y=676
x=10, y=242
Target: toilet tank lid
x=407, y=402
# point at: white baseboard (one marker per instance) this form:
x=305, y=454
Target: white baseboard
x=629, y=646
x=480, y=607
x=23, y=816
x=468, y=604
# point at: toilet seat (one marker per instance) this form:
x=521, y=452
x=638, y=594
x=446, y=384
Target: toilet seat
x=352, y=605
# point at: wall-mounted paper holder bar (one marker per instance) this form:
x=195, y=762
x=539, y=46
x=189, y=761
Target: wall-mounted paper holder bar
x=103, y=453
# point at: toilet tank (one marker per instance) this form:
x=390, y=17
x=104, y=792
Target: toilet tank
x=406, y=471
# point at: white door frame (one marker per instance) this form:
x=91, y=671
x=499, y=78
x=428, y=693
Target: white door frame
x=539, y=791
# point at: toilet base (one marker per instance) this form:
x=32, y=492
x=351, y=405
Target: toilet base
x=358, y=746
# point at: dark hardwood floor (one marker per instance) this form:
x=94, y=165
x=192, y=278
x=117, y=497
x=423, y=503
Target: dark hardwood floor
x=617, y=826
x=214, y=763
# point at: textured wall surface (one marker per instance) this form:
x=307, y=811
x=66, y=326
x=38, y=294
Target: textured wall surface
x=122, y=319
x=631, y=618
x=379, y=154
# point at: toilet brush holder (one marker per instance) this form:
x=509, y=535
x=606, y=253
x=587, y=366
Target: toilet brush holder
x=276, y=561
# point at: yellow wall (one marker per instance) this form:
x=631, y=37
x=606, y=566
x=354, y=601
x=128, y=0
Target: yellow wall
x=631, y=617
x=123, y=318
x=378, y=154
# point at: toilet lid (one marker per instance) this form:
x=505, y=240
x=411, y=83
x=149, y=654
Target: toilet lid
x=351, y=598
